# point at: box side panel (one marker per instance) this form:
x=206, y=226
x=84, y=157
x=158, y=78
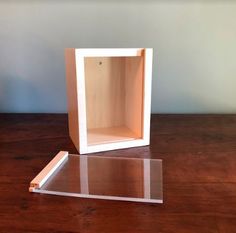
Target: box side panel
x=117, y=145
x=72, y=96
x=148, y=59
x=114, y=52
x=134, y=84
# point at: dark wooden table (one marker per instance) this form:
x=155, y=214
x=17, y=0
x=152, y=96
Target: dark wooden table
x=199, y=159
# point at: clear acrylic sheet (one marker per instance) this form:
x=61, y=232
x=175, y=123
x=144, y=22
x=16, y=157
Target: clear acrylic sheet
x=112, y=178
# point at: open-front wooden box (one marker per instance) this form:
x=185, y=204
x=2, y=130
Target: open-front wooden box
x=109, y=97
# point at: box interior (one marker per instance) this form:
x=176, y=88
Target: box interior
x=114, y=98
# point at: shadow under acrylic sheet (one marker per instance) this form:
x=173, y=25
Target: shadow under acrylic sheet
x=112, y=178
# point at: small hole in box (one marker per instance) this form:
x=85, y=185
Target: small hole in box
x=100, y=63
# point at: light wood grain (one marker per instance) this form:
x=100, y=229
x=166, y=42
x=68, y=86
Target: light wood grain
x=134, y=89
x=105, y=91
x=111, y=89
x=42, y=177
x=72, y=96
x=109, y=135
x=110, y=52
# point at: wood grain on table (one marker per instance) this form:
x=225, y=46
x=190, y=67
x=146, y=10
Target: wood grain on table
x=199, y=163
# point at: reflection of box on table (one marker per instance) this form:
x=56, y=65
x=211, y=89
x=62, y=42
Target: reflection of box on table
x=109, y=97
x=112, y=178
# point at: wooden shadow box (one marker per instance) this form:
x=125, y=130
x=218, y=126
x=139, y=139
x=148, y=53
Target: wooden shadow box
x=109, y=98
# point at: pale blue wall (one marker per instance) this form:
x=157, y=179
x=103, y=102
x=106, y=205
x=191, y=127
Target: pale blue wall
x=194, y=44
